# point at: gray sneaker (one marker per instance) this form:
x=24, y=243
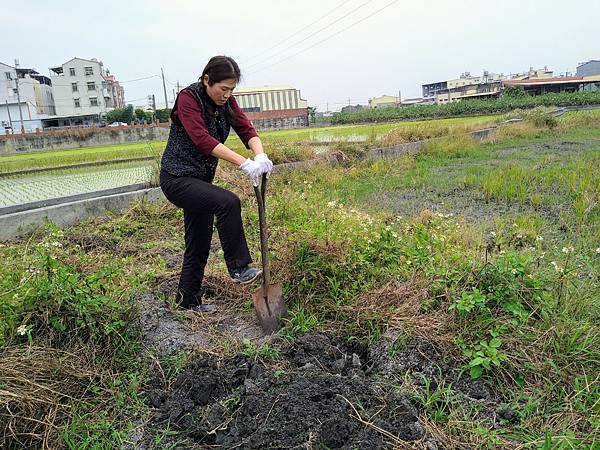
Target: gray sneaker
x=204, y=309
x=245, y=275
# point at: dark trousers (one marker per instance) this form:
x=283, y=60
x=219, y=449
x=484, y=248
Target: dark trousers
x=201, y=202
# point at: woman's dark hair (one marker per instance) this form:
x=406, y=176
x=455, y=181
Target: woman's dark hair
x=221, y=68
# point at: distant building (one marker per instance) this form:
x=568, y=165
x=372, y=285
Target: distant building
x=466, y=86
x=117, y=93
x=384, y=101
x=430, y=90
x=589, y=68
x=541, y=86
x=84, y=91
x=532, y=73
x=269, y=98
x=273, y=107
x=35, y=92
x=414, y=101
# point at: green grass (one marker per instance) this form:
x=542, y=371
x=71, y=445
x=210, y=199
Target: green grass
x=58, y=158
x=282, y=146
x=502, y=235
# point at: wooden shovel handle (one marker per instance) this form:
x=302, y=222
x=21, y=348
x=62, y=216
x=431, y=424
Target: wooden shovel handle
x=264, y=246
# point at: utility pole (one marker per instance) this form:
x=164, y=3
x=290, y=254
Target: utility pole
x=399, y=97
x=152, y=102
x=19, y=95
x=12, y=130
x=164, y=88
x=178, y=86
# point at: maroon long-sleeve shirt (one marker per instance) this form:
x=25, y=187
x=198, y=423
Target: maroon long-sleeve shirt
x=188, y=114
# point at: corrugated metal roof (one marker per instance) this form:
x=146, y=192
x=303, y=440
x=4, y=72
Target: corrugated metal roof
x=553, y=80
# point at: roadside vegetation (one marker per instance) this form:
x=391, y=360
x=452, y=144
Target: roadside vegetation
x=484, y=256
x=468, y=107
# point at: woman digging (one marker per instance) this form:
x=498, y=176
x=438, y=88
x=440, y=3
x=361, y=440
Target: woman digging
x=201, y=119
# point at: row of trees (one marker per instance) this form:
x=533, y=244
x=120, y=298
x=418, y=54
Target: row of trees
x=514, y=99
x=130, y=115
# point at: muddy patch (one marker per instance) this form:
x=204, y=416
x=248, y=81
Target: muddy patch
x=167, y=330
x=318, y=392
x=460, y=202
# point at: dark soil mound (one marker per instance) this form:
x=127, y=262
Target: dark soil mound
x=320, y=393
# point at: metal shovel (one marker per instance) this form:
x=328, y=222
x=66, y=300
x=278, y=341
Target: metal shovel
x=268, y=299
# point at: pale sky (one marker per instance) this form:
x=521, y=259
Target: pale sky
x=363, y=53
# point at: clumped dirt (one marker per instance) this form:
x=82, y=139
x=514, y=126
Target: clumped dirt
x=319, y=392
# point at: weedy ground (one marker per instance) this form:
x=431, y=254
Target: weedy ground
x=444, y=299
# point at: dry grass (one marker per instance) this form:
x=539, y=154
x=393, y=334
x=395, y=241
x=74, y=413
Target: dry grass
x=399, y=305
x=511, y=131
x=428, y=131
x=37, y=389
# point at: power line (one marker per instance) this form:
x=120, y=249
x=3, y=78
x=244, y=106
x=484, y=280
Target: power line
x=250, y=58
x=120, y=82
x=312, y=34
x=327, y=38
x=139, y=79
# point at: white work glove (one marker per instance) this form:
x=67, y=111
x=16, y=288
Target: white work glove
x=253, y=169
x=265, y=163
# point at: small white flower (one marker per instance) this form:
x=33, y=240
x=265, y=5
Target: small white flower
x=22, y=330
x=331, y=204
x=598, y=250
x=514, y=271
x=394, y=235
x=492, y=234
x=514, y=225
x=567, y=250
x=539, y=239
x=557, y=267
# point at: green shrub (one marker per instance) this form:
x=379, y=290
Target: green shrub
x=56, y=303
x=468, y=107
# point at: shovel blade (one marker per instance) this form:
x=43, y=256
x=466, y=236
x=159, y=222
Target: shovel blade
x=270, y=315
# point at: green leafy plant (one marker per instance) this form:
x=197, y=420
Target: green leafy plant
x=468, y=301
x=484, y=354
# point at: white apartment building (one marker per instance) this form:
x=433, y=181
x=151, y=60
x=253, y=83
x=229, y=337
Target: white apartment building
x=84, y=91
x=35, y=92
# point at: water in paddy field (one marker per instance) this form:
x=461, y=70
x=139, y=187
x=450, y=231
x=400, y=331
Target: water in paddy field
x=19, y=189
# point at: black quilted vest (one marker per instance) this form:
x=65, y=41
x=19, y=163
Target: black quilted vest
x=181, y=157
